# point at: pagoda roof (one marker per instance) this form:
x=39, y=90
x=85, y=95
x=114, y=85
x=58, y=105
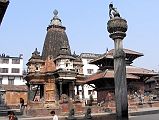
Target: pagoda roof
x=140, y=71
x=132, y=72
x=130, y=56
x=107, y=74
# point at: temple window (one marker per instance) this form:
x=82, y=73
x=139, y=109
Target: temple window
x=37, y=67
x=90, y=71
x=67, y=64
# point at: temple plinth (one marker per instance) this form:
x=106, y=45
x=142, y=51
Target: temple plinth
x=117, y=27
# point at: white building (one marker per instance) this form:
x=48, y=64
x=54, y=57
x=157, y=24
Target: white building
x=89, y=69
x=11, y=70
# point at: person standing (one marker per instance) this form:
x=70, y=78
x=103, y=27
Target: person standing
x=21, y=104
x=55, y=117
x=12, y=116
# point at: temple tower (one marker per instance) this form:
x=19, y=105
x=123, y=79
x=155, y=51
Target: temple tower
x=56, y=38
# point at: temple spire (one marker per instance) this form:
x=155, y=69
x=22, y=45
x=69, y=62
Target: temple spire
x=56, y=40
x=56, y=20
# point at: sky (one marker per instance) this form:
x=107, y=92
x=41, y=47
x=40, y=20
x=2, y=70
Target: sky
x=24, y=27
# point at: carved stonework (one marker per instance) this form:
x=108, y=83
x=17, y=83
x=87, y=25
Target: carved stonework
x=119, y=54
x=50, y=90
x=117, y=28
x=64, y=98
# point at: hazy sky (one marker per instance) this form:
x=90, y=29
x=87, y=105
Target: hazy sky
x=25, y=22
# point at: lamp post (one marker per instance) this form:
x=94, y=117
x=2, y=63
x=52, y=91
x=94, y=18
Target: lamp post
x=117, y=27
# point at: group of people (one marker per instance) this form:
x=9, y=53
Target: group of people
x=12, y=115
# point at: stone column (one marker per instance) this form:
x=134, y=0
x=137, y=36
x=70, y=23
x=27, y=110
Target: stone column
x=83, y=92
x=60, y=83
x=73, y=86
x=117, y=27
x=28, y=85
x=77, y=88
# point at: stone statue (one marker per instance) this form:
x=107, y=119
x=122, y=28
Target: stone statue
x=113, y=11
x=88, y=114
x=71, y=115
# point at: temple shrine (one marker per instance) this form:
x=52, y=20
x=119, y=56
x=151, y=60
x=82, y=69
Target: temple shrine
x=52, y=76
x=104, y=78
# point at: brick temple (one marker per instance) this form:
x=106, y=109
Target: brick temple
x=104, y=78
x=52, y=76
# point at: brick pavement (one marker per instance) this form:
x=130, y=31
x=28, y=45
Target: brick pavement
x=141, y=111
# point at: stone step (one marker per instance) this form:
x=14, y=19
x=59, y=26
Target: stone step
x=6, y=111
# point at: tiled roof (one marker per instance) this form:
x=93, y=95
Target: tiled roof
x=14, y=88
x=128, y=51
x=132, y=72
x=109, y=55
x=89, y=55
x=138, y=70
x=108, y=74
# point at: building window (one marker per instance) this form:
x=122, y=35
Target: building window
x=4, y=61
x=90, y=71
x=10, y=81
x=15, y=61
x=15, y=70
x=89, y=92
x=67, y=64
x=3, y=70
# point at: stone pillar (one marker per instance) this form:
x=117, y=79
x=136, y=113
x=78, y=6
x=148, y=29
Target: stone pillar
x=77, y=88
x=117, y=27
x=83, y=92
x=41, y=91
x=73, y=86
x=60, y=82
x=28, y=85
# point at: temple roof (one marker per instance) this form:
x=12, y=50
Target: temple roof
x=140, y=71
x=130, y=56
x=65, y=57
x=14, y=88
x=56, y=39
x=3, y=7
x=35, y=58
x=89, y=55
x=132, y=72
